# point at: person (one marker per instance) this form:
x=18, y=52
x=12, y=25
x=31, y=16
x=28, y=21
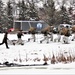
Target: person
x=32, y=31
x=19, y=36
x=47, y=34
x=66, y=35
x=45, y=37
x=5, y=40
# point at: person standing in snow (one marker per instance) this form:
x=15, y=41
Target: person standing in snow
x=5, y=40
x=32, y=31
x=66, y=35
x=47, y=34
x=19, y=36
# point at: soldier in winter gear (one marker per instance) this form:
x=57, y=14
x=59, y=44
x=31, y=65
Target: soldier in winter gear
x=66, y=35
x=19, y=35
x=47, y=34
x=32, y=31
x=5, y=40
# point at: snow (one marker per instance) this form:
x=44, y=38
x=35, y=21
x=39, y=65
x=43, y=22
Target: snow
x=30, y=52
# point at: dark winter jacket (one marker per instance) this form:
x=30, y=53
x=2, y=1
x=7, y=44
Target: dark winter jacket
x=19, y=35
x=5, y=37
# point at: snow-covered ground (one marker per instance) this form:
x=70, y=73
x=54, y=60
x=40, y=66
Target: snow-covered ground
x=33, y=53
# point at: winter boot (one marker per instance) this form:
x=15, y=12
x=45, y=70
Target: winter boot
x=40, y=41
x=13, y=43
x=28, y=39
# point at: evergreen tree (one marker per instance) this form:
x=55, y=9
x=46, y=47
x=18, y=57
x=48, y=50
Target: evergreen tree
x=64, y=16
x=27, y=10
x=1, y=14
x=33, y=12
x=49, y=7
x=22, y=10
x=9, y=14
x=71, y=9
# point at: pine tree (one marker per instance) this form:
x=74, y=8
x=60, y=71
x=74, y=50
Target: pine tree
x=49, y=7
x=64, y=16
x=27, y=10
x=1, y=13
x=33, y=12
x=71, y=9
x=9, y=14
x=22, y=10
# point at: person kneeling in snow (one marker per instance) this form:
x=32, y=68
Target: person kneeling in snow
x=5, y=40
